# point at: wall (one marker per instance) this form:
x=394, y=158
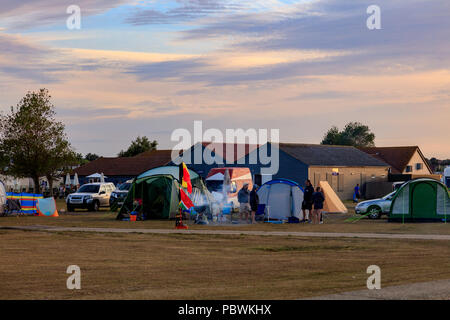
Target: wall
x=416, y=158
x=344, y=183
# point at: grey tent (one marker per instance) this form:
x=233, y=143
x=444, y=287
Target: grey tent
x=283, y=199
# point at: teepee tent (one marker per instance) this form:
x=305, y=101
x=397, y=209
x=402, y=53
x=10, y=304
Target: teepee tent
x=332, y=202
x=421, y=199
x=283, y=199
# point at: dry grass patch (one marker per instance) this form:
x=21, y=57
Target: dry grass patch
x=147, y=266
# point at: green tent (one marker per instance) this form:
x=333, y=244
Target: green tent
x=421, y=200
x=158, y=192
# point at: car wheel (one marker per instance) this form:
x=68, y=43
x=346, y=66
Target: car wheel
x=374, y=213
x=69, y=209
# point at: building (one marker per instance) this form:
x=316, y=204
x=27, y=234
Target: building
x=405, y=162
x=120, y=169
x=342, y=166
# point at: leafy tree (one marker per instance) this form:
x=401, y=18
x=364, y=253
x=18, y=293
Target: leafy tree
x=91, y=157
x=33, y=142
x=141, y=144
x=354, y=134
x=333, y=136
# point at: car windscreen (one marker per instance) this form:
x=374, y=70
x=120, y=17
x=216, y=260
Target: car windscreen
x=89, y=188
x=124, y=187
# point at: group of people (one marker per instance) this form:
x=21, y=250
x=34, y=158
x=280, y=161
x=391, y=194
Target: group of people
x=248, y=202
x=312, y=204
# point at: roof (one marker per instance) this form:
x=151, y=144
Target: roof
x=234, y=172
x=126, y=166
x=397, y=157
x=239, y=150
x=156, y=154
x=328, y=155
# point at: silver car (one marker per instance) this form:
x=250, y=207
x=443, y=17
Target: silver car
x=375, y=208
x=90, y=196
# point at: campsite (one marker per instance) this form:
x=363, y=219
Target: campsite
x=185, y=232
x=203, y=150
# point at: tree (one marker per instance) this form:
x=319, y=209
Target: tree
x=354, y=134
x=33, y=142
x=138, y=146
x=91, y=157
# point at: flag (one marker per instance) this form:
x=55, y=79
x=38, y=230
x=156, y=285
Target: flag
x=185, y=201
x=186, y=178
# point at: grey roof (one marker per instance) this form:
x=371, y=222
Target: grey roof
x=326, y=155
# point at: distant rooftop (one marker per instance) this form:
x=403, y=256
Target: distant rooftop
x=126, y=166
x=330, y=155
x=397, y=157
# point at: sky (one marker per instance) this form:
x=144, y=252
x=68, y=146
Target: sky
x=148, y=67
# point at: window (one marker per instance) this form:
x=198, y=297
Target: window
x=419, y=166
x=408, y=168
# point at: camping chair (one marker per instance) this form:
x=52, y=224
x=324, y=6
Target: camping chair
x=13, y=206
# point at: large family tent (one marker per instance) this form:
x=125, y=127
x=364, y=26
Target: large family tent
x=421, y=199
x=155, y=194
x=332, y=202
x=283, y=199
x=2, y=198
x=26, y=202
x=47, y=207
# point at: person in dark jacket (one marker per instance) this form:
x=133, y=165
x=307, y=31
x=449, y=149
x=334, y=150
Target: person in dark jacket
x=318, y=200
x=254, y=201
x=307, y=200
x=244, y=201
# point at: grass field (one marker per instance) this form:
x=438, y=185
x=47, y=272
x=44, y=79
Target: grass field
x=141, y=266
x=150, y=266
x=333, y=223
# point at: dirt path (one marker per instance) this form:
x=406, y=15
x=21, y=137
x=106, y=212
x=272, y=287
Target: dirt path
x=424, y=290
x=238, y=232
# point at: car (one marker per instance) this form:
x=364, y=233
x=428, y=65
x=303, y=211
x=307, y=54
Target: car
x=91, y=196
x=375, y=208
x=119, y=195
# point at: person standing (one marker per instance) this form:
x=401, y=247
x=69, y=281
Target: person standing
x=318, y=200
x=307, y=201
x=356, y=194
x=254, y=201
x=244, y=202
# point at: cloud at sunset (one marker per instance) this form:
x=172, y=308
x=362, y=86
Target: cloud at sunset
x=301, y=66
